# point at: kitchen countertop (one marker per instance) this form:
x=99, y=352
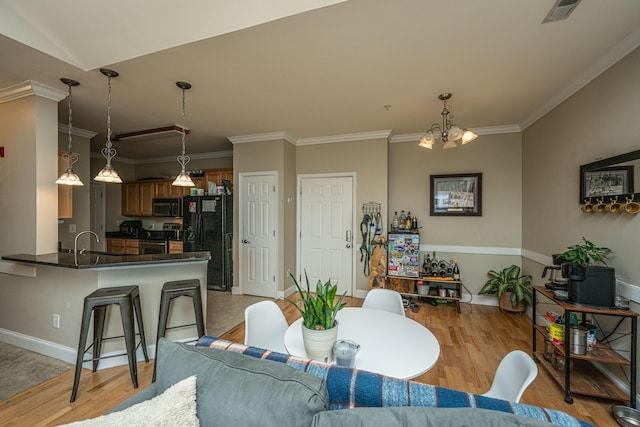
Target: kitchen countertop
x=102, y=259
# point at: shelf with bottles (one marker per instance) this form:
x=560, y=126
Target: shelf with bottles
x=432, y=288
x=404, y=223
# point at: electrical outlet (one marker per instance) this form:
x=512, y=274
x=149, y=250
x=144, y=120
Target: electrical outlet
x=72, y=228
x=56, y=321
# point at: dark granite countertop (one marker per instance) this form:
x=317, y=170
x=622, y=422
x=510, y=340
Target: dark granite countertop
x=101, y=259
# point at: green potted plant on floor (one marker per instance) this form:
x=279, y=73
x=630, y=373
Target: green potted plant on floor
x=319, y=310
x=514, y=290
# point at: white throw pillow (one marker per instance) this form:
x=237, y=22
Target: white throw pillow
x=175, y=407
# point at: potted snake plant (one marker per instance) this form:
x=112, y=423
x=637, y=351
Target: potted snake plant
x=319, y=310
x=513, y=289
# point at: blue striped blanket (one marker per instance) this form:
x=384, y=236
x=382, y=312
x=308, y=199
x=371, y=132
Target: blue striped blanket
x=353, y=388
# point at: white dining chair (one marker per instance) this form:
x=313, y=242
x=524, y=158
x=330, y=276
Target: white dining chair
x=264, y=326
x=514, y=374
x=384, y=299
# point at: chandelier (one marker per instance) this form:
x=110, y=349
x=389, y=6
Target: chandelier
x=183, y=180
x=448, y=132
x=69, y=177
x=108, y=173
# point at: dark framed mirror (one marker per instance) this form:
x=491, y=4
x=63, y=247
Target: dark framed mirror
x=610, y=179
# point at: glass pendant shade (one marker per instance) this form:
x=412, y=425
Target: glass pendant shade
x=427, y=140
x=468, y=136
x=455, y=133
x=108, y=173
x=449, y=144
x=183, y=179
x=69, y=177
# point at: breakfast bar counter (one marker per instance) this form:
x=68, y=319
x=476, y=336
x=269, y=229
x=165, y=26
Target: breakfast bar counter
x=47, y=294
x=92, y=259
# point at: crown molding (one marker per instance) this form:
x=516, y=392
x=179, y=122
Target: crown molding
x=82, y=133
x=167, y=159
x=622, y=49
x=261, y=137
x=488, y=130
x=28, y=88
x=195, y=156
x=350, y=137
x=120, y=159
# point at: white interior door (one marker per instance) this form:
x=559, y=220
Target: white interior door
x=326, y=231
x=257, y=242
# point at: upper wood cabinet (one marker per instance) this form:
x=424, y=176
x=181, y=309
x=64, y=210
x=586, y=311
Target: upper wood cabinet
x=137, y=196
x=65, y=192
x=217, y=175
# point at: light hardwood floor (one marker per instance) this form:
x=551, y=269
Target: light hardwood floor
x=472, y=345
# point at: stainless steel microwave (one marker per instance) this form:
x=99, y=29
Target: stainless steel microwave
x=166, y=207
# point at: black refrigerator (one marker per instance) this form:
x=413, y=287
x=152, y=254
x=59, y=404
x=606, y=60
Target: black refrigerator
x=208, y=226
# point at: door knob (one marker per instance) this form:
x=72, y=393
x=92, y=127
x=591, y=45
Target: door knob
x=348, y=245
x=245, y=241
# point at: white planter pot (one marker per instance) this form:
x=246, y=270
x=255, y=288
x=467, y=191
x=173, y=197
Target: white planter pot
x=318, y=343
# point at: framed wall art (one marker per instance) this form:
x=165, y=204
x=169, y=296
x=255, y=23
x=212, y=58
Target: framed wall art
x=456, y=195
x=605, y=182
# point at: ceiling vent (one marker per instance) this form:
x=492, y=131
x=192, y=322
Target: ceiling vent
x=561, y=10
x=171, y=130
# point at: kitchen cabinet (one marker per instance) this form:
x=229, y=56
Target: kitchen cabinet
x=123, y=246
x=175, y=247
x=146, y=195
x=217, y=175
x=65, y=192
x=582, y=377
x=162, y=189
x=137, y=198
x=130, y=199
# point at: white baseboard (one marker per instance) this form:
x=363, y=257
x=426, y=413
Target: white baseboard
x=68, y=354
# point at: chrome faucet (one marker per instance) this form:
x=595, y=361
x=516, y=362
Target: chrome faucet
x=75, y=242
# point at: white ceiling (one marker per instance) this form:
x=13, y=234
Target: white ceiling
x=310, y=68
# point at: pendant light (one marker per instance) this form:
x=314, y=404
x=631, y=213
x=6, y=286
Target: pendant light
x=69, y=177
x=448, y=132
x=183, y=180
x=108, y=173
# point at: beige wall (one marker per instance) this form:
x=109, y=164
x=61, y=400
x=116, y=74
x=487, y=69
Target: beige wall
x=265, y=156
x=368, y=159
x=601, y=120
x=480, y=243
x=28, y=193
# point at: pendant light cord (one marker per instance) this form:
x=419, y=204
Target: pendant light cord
x=183, y=159
x=108, y=151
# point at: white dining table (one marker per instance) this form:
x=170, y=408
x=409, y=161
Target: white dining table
x=390, y=344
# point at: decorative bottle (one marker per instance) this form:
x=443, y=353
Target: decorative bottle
x=456, y=269
x=402, y=220
x=407, y=221
x=414, y=223
x=394, y=221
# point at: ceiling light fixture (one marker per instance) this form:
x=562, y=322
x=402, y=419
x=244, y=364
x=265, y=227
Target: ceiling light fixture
x=108, y=173
x=69, y=177
x=448, y=132
x=183, y=180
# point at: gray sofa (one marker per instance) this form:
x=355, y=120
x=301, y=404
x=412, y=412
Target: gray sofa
x=239, y=385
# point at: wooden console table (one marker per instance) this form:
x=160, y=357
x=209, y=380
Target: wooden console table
x=583, y=378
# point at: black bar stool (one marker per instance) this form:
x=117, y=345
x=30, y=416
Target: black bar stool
x=128, y=298
x=175, y=289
